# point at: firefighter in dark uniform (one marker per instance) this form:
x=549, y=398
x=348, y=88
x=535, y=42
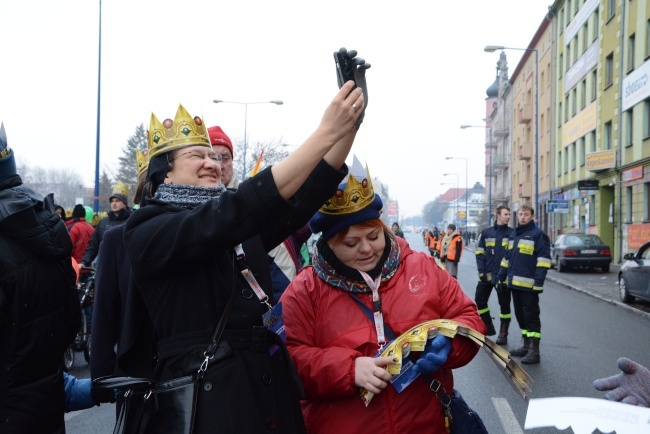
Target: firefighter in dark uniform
x=523, y=270
x=492, y=246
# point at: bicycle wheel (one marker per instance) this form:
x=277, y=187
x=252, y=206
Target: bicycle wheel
x=68, y=359
x=87, y=350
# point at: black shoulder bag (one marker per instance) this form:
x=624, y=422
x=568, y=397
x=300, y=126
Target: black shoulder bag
x=163, y=406
x=462, y=419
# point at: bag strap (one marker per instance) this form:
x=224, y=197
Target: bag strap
x=218, y=331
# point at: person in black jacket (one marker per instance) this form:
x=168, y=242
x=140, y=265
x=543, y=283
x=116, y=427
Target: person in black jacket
x=39, y=306
x=492, y=246
x=523, y=270
x=118, y=214
x=183, y=246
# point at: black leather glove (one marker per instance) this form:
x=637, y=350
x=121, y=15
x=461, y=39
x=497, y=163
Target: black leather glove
x=500, y=286
x=350, y=67
x=101, y=395
x=482, y=277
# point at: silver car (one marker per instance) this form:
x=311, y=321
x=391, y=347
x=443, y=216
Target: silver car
x=634, y=277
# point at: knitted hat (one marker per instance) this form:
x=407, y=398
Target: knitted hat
x=354, y=202
x=7, y=160
x=121, y=192
x=218, y=137
x=79, y=211
x=331, y=225
x=120, y=197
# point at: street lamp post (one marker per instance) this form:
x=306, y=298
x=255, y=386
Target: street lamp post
x=489, y=128
x=466, y=190
x=492, y=49
x=245, y=104
x=99, y=81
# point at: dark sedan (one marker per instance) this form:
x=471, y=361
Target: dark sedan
x=580, y=250
x=634, y=277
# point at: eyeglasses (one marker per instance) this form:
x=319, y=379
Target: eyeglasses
x=225, y=159
x=198, y=155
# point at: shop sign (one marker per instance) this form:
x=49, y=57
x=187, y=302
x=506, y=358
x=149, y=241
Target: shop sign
x=601, y=160
x=632, y=174
x=557, y=206
x=637, y=235
x=589, y=184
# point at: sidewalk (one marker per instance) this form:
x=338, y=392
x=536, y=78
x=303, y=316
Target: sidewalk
x=594, y=283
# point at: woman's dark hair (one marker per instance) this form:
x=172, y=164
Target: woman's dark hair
x=156, y=174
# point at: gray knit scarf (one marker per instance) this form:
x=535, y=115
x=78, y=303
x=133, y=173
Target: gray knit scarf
x=187, y=196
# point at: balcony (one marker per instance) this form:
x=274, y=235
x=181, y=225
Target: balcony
x=525, y=151
x=493, y=146
x=526, y=114
x=525, y=189
x=500, y=133
x=500, y=162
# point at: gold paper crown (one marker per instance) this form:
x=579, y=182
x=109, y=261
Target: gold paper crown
x=183, y=131
x=141, y=161
x=121, y=188
x=356, y=196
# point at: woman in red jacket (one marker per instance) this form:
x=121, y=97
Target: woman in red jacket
x=334, y=342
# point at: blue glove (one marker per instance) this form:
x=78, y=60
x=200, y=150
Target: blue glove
x=434, y=355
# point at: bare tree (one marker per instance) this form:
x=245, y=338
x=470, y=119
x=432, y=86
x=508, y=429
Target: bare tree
x=66, y=184
x=274, y=152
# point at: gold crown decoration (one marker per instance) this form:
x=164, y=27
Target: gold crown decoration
x=356, y=196
x=141, y=161
x=121, y=188
x=183, y=131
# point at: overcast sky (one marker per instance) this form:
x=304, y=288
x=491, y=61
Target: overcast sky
x=429, y=75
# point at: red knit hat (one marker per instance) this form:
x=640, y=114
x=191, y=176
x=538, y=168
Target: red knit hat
x=218, y=137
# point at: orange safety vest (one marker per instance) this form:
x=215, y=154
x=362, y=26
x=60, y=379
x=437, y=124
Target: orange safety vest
x=439, y=243
x=451, y=251
x=432, y=242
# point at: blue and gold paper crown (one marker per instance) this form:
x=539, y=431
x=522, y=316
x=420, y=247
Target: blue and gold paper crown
x=355, y=196
x=183, y=131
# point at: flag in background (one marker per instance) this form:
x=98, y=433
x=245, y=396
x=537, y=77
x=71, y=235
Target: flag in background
x=258, y=165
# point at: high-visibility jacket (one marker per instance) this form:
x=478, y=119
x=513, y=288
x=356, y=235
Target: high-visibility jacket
x=455, y=248
x=439, y=242
x=432, y=242
x=527, y=260
x=492, y=247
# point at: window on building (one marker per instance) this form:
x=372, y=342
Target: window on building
x=609, y=70
x=576, y=50
x=583, y=94
x=630, y=53
x=574, y=107
x=628, y=204
x=581, y=151
x=541, y=122
x=647, y=39
x=566, y=107
x=629, y=127
x=646, y=118
x=559, y=115
x=561, y=21
x=607, y=132
x=646, y=201
x=558, y=164
x=611, y=9
x=592, y=210
x=576, y=7
x=566, y=160
x=594, y=85
x=573, y=156
x=592, y=141
x=568, y=11
x=560, y=65
x=585, y=36
x=595, y=24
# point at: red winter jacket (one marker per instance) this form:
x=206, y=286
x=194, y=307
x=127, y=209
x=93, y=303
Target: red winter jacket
x=80, y=233
x=327, y=330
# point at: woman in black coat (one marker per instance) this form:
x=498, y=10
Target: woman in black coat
x=181, y=245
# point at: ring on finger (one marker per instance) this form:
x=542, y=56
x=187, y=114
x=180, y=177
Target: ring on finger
x=354, y=106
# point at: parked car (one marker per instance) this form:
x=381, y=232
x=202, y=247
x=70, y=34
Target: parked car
x=580, y=250
x=634, y=277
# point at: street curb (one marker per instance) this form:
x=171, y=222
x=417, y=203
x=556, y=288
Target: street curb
x=618, y=304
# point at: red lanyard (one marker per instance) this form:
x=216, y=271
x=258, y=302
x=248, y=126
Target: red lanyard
x=250, y=278
x=377, y=316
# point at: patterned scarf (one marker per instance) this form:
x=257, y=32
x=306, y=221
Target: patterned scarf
x=187, y=196
x=342, y=277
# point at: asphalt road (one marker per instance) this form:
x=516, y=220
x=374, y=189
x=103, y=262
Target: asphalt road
x=582, y=337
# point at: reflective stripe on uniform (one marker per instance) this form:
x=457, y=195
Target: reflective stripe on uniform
x=526, y=247
x=537, y=335
x=505, y=315
x=490, y=242
x=524, y=332
x=544, y=262
x=504, y=242
x=482, y=311
x=511, y=244
x=538, y=288
x=504, y=263
x=523, y=282
x=480, y=251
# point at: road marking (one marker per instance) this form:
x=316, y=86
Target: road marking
x=508, y=419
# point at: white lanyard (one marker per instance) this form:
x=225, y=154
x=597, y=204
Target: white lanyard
x=377, y=316
x=250, y=278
